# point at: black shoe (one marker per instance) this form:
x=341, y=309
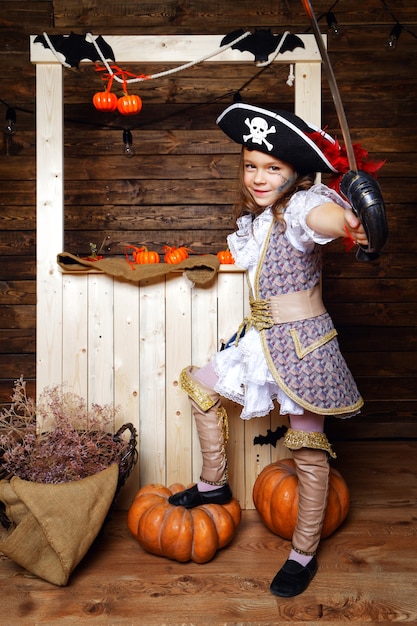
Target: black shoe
x=293, y=578
x=190, y=498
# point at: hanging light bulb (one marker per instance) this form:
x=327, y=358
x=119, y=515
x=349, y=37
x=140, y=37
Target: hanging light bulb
x=394, y=36
x=332, y=24
x=10, y=122
x=128, y=150
x=10, y=130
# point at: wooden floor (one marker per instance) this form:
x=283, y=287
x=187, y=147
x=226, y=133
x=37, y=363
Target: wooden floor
x=367, y=569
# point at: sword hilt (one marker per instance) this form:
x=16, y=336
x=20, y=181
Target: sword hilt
x=364, y=195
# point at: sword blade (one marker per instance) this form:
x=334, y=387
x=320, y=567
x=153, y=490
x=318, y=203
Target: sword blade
x=331, y=79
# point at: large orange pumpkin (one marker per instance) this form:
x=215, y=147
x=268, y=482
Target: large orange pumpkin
x=178, y=533
x=275, y=495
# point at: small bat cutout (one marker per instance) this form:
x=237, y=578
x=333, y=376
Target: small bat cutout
x=75, y=48
x=262, y=43
x=271, y=437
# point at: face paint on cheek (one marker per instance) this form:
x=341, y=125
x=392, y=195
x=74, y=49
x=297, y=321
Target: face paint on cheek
x=288, y=182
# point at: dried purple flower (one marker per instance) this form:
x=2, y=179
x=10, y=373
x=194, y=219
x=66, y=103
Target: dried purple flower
x=58, y=439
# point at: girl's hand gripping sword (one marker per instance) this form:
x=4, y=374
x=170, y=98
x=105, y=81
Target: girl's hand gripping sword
x=361, y=189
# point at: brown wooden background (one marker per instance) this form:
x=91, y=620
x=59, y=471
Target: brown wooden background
x=179, y=186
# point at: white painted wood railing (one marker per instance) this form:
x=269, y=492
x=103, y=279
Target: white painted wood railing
x=125, y=344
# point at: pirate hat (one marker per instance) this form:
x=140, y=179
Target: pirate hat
x=283, y=135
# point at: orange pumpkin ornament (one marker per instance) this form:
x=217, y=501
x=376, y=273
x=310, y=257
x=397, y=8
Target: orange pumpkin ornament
x=225, y=257
x=144, y=256
x=129, y=104
x=105, y=101
x=141, y=256
x=275, y=495
x=178, y=533
x=175, y=255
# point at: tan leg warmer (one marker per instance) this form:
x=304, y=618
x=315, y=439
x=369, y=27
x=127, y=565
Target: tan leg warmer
x=313, y=486
x=311, y=452
x=212, y=427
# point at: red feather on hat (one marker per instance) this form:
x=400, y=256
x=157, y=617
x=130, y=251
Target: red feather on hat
x=337, y=156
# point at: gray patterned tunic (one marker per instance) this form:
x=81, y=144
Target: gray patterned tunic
x=303, y=356
x=299, y=364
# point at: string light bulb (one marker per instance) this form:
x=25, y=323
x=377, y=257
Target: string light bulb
x=128, y=150
x=394, y=36
x=10, y=128
x=332, y=24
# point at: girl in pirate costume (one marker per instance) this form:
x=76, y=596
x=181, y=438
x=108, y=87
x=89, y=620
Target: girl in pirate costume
x=287, y=350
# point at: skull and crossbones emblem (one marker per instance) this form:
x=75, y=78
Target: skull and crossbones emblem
x=258, y=131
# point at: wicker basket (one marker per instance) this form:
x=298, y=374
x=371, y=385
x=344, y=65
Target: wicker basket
x=129, y=459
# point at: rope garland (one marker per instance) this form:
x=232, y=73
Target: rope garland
x=135, y=79
x=90, y=38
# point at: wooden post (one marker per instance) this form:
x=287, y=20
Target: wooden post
x=50, y=219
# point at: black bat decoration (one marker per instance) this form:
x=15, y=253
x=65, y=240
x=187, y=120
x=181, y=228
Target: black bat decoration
x=270, y=438
x=75, y=48
x=262, y=43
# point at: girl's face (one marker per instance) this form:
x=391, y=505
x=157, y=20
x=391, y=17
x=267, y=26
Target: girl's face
x=265, y=177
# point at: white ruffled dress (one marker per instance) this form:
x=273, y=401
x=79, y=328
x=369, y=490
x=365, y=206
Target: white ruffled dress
x=242, y=370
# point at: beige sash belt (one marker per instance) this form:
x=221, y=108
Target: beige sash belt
x=299, y=305
x=290, y=307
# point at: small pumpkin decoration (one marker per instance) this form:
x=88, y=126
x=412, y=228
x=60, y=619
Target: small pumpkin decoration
x=178, y=533
x=142, y=255
x=129, y=104
x=175, y=255
x=225, y=257
x=105, y=101
x=275, y=495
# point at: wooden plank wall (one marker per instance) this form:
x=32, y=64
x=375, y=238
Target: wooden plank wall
x=179, y=187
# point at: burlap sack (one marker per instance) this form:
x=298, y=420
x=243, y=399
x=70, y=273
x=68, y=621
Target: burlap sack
x=53, y=526
x=199, y=269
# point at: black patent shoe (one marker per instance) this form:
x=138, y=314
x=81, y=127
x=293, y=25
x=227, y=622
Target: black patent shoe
x=293, y=578
x=192, y=497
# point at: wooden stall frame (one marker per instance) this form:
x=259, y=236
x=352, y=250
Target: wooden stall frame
x=120, y=343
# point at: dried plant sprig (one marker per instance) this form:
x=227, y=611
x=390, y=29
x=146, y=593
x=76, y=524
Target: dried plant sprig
x=21, y=414
x=58, y=439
